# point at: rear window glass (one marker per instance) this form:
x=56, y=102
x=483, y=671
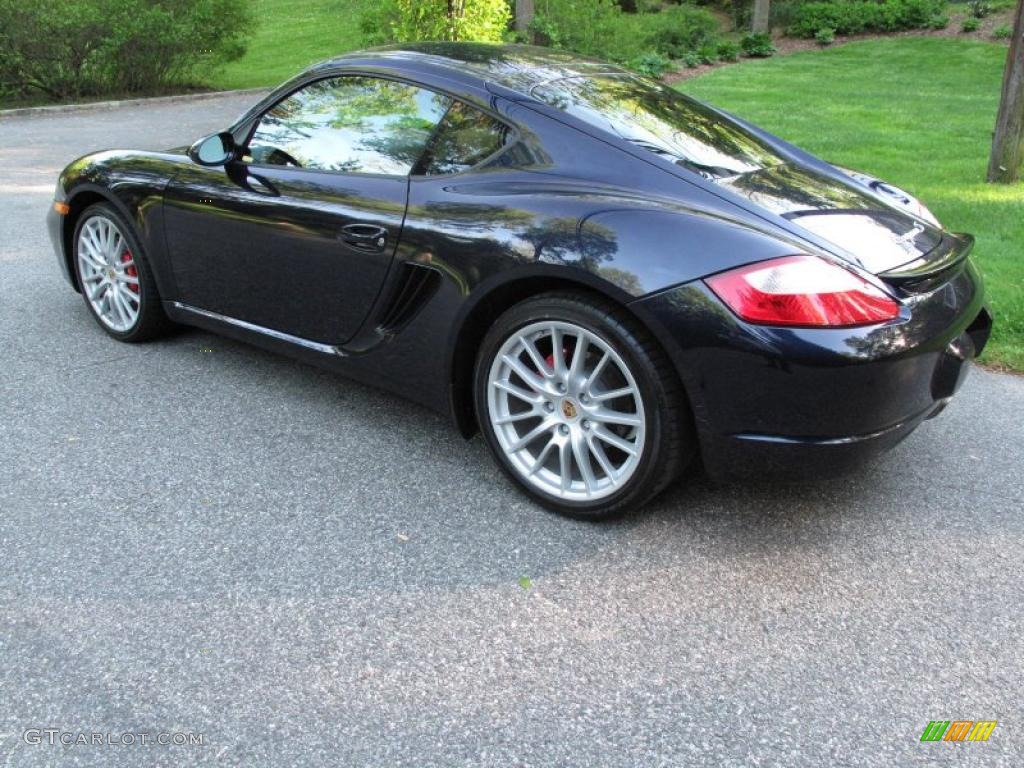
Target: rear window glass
x=662, y=121
x=465, y=138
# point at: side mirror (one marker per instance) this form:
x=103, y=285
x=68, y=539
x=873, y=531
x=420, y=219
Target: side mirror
x=218, y=149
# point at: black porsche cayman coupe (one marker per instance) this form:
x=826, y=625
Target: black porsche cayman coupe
x=604, y=277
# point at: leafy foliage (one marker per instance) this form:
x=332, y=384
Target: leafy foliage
x=480, y=20
x=728, y=50
x=979, y=9
x=970, y=24
x=825, y=36
x=600, y=28
x=652, y=64
x=1002, y=32
x=691, y=59
x=850, y=17
x=758, y=45
x=72, y=48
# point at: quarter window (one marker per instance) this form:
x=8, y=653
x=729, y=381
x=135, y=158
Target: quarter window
x=465, y=137
x=351, y=125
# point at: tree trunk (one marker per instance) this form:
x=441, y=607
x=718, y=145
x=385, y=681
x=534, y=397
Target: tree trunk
x=761, y=10
x=1008, y=140
x=524, y=15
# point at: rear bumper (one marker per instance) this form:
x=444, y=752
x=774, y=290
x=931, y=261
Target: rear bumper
x=814, y=402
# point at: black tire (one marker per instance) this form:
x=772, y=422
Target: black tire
x=668, y=443
x=151, y=321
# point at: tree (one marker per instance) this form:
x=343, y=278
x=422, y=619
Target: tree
x=1008, y=139
x=480, y=20
x=524, y=16
x=761, y=13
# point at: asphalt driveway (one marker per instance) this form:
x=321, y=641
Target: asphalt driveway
x=197, y=537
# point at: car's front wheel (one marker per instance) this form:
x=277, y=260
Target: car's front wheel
x=580, y=406
x=114, y=275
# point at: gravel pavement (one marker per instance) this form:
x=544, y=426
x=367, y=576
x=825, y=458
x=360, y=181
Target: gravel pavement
x=200, y=537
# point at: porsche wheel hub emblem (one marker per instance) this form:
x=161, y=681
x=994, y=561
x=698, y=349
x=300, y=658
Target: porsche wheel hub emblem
x=569, y=409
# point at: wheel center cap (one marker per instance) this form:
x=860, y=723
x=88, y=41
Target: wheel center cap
x=112, y=273
x=569, y=409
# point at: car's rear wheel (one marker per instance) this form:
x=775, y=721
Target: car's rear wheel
x=580, y=406
x=116, y=281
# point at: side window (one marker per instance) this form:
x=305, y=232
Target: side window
x=349, y=124
x=466, y=136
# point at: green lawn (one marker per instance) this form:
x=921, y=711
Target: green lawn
x=916, y=111
x=289, y=36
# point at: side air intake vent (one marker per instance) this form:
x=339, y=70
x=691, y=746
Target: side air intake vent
x=414, y=287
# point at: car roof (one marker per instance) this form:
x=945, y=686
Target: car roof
x=519, y=68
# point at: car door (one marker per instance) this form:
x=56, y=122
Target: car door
x=298, y=235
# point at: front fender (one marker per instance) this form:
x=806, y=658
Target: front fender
x=134, y=183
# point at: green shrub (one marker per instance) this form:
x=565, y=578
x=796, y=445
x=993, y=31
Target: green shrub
x=757, y=46
x=781, y=13
x=544, y=31
x=825, y=36
x=600, y=28
x=939, y=21
x=652, y=64
x=677, y=30
x=378, y=22
x=728, y=51
x=482, y=20
x=559, y=23
x=979, y=9
x=708, y=53
x=691, y=59
x=970, y=25
x=1002, y=32
x=73, y=48
x=851, y=17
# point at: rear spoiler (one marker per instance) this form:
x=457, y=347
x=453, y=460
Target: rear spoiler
x=949, y=254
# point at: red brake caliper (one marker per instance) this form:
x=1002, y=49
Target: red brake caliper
x=130, y=271
x=550, y=359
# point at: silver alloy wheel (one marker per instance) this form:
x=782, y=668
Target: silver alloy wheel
x=110, y=280
x=566, y=411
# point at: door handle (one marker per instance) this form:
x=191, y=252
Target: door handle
x=364, y=237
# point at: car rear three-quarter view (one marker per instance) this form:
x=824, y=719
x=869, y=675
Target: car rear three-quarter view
x=606, y=278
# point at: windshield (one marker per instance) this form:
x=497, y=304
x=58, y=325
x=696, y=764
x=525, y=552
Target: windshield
x=662, y=121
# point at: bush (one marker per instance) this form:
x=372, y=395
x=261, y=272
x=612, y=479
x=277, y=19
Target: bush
x=979, y=9
x=708, y=53
x=851, y=17
x=825, y=36
x=481, y=20
x=652, y=64
x=1002, y=32
x=378, y=22
x=780, y=13
x=691, y=59
x=600, y=28
x=728, y=51
x=758, y=46
x=544, y=31
x=73, y=48
x=939, y=21
x=676, y=30
x=970, y=25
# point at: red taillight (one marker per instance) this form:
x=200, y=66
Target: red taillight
x=802, y=290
